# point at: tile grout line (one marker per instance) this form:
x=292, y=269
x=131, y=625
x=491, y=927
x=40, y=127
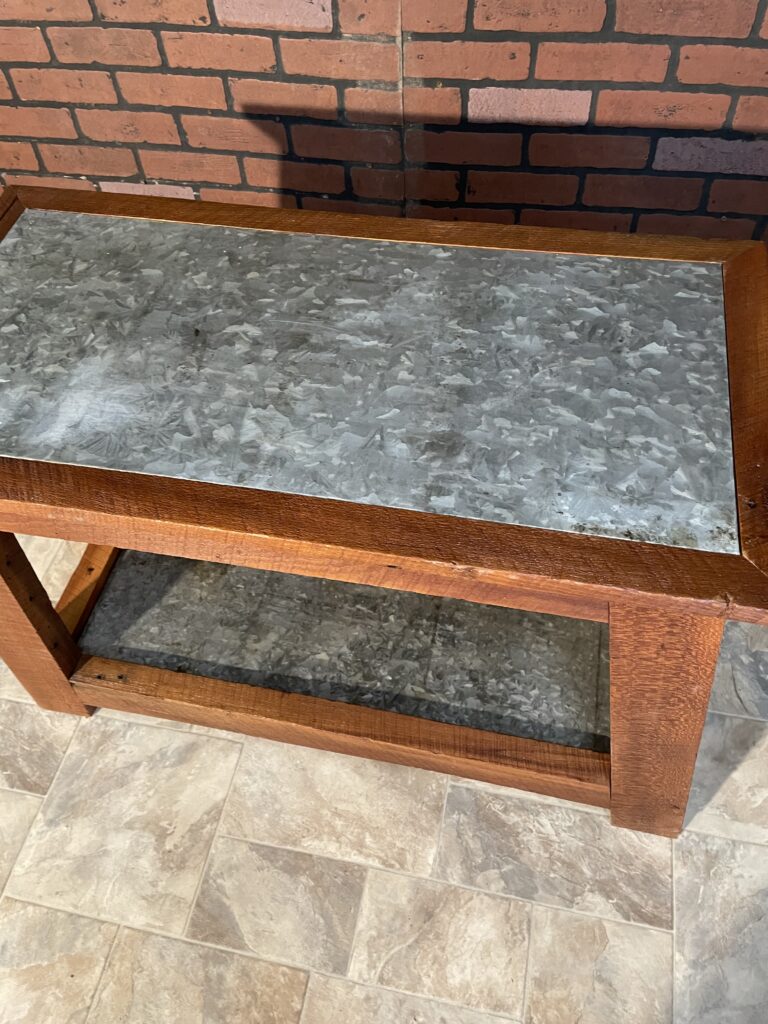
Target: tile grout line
x=214, y=837
x=528, y=955
x=102, y=973
x=39, y=811
x=292, y=965
x=456, y=885
x=674, y=934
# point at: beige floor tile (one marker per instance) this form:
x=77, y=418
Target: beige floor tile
x=721, y=911
x=17, y=811
x=730, y=786
x=41, y=551
x=10, y=687
x=554, y=854
x=126, y=828
x=439, y=940
x=60, y=568
x=279, y=904
x=597, y=972
x=334, y=805
x=153, y=980
x=50, y=964
x=32, y=744
x=332, y=1001
x=741, y=681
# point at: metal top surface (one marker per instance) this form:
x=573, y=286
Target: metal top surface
x=577, y=393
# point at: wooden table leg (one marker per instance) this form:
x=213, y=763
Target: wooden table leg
x=34, y=641
x=662, y=667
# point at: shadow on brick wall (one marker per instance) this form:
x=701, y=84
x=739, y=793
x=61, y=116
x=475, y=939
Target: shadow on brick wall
x=422, y=164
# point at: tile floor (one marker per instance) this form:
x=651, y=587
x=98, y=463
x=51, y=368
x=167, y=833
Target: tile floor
x=155, y=873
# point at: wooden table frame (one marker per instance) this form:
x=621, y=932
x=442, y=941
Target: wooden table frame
x=665, y=606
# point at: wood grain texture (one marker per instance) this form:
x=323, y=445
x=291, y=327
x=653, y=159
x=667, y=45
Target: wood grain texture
x=11, y=209
x=746, y=318
x=555, y=770
x=34, y=642
x=85, y=584
x=662, y=669
x=495, y=236
x=492, y=563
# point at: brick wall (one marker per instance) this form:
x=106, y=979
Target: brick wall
x=644, y=115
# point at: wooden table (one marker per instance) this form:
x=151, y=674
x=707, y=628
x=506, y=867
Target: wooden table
x=540, y=420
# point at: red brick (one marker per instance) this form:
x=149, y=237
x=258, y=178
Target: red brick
x=362, y=145
x=111, y=162
x=739, y=197
x=283, y=15
x=582, y=220
x=540, y=15
x=22, y=45
x=602, y=62
x=378, y=182
x=723, y=65
x=349, y=206
x=434, y=15
x=136, y=189
x=530, y=106
x=174, y=12
x=234, y=133
x=369, y=17
x=521, y=187
x=45, y=10
x=254, y=96
x=341, y=58
x=64, y=86
x=181, y=166
x=128, y=126
x=732, y=18
x=50, y=182
x=506, y=62
x=701, y=227
x=651, y=109
x=424, y=105
x=503, y=149
x=134, y=46
x=374, y=106
x=163, y=89
x=642, y=191
x=17, y=156
x=294, y=175
x=468, y=213
x=229, y=195
x=220, y=50
x=5, y=92
x=751, y=114
x=560, y=150
x=37, y=122
x=439, y=186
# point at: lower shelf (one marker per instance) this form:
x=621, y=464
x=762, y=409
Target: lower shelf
x=496, y=669
x=512, y=698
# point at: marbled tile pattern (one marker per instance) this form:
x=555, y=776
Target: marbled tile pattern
x=490, y=668
x=594, y=972
x=569, y=392
x=50, y=963
x=554, y=854
x=33, y=744
x=407, y=924
x=156, y=807
x=721, y=891
x=336, y=806
x=152, y=980
x=279, y=903
x=17, y=812
x=449, y=910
